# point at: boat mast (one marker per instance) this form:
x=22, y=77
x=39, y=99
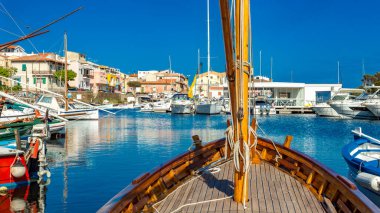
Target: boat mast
x=66, y=85
x=208, y=49
x=238, y=71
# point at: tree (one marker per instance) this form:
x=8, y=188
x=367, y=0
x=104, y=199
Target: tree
x=60, y=75
x=134, y=84
x=7, y=72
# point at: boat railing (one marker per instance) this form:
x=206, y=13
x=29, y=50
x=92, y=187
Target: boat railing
x=358, y=132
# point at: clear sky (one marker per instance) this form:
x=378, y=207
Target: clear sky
x=304, y=37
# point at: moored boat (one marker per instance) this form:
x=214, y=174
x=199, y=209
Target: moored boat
x=362, y=156
x=325, y=110
x=353, y=108
x=13, y=168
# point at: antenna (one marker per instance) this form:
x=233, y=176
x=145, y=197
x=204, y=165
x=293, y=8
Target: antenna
x=208, y=49
x=271, y=68
x=363, y=68
x=260, y=65
x=170, y=65
x=338, y=72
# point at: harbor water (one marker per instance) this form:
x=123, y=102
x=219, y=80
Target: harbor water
x=97, y=159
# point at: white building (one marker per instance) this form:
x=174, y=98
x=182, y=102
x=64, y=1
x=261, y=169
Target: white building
x=292, y=94
x=38, y=70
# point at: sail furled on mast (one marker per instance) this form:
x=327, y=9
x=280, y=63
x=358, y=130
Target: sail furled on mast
x=192, y=87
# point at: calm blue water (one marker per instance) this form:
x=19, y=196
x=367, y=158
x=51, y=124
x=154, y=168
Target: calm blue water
x=102, y=157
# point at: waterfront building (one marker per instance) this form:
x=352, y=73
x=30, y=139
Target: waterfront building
x=290, y=94
x=77, y=62
x=213, y=80
x=38, y=70
x=13, y=51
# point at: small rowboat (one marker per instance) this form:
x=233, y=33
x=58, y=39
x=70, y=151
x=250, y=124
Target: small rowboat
x=13, y=168
x=363, y=157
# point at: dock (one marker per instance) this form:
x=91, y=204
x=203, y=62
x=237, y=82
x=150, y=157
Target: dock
x=270, y=190
x=293, y=110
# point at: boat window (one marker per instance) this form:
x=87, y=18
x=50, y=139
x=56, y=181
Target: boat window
x=339, y=97
x=46, y=100
x=363, y=96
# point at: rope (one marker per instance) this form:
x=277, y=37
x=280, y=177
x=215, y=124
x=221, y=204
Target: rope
x=273, y=143
x=212, y=171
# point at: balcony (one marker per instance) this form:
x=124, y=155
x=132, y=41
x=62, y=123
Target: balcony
x=42, y=72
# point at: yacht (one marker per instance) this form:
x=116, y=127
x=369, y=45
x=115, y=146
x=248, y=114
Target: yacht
x=162, y=106
x=208, y=107
x=74, y=112
x=373, y=104
x=325, y=110
x=181, y=104
x=353, y=107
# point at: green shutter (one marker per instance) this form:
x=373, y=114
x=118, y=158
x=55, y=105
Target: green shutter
x=44, y=80
x=23, y=67
x=34, y=80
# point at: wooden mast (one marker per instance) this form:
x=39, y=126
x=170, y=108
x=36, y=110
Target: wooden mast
x=66, y=83
x=238, y=72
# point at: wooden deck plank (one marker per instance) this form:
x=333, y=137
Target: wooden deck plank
x=270, y=190
x=217, y=191
x=199, y=194
x=272, y=187
x=277, y=186
x=293, y=196
x=285, y=191
x=213, y=192
x=223, y=187
x=190, y=198
x=253, y=190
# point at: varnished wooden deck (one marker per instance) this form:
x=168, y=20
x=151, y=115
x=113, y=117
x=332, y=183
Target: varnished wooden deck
x=270, y=191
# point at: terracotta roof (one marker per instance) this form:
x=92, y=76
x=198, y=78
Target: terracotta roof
x=133, y=75
x=42, y=57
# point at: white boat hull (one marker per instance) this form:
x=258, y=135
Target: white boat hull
x=8, y=116
x=352, y=110
x=90, y=114
x=374, y=107
x=57, y=127
x=325, y=111
x=182, y=108
x=208, y=109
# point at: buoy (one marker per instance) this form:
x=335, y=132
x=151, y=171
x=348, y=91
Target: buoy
x=3, y=190
x=18, y=169
x=368, y=181
x=18, y=205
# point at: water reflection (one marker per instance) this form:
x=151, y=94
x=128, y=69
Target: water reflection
x=29, y=198
x=99, y=158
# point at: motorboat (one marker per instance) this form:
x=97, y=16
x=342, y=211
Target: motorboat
x=352, y=107
x=147, y=107
x=373, y=104
x=181, y=104
x=363, y=157
x=208, y=107
x=325, y=110
x=75, y=111
x=162, y=106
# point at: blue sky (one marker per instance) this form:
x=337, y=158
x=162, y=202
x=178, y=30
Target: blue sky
x=305, y=37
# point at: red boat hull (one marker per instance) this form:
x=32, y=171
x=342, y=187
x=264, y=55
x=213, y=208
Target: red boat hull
x=6, y=178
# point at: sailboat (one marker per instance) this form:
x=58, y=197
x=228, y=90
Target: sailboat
x=242, y=172
x=208, y=106
x=61, y=106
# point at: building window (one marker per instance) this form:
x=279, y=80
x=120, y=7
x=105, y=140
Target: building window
x=284, y=94
x=23, y=67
